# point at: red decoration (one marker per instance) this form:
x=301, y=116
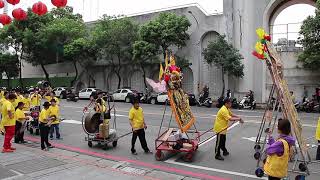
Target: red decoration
x=259, y=56
x=166, y=78
x=19, y=14
x=39, y=8
x=59, y=3
x=267, y=37
x=5, y=19
x=13, y=2
x=1, y=4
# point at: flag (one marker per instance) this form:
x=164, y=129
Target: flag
x=160, y=72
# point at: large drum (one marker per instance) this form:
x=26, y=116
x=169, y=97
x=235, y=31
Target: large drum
x=92, y=122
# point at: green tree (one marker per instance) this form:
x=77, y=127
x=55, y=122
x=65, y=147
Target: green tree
x=9, y=64
x=114, y=38
x=80, y=51
x=166, y=30
x=310, y=31
x=224, y=56
x=145, y=54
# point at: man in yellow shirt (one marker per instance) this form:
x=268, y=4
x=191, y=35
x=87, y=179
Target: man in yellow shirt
x=221, y=123
x=20, y=120
x=138, y=125
x=50, y=96
x=35, y=99
x=19, y=98
x=44, y=126
x=26, y=101
x=318, y=138
x=8, y=122
x=54, y=113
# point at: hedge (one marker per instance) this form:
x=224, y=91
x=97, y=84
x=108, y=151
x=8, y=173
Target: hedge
x=27, y=82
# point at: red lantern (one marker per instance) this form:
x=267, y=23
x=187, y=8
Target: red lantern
x=59, y=3
x=5, y=19
x=19, y=14
x=13, y=2
x=39, y=8
x=1, y=4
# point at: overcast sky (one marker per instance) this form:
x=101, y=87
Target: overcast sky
x=93, y=9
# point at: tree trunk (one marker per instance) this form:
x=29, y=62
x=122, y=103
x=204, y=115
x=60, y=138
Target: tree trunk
x=45, y=72
x=144, y=76
x=118, y=71
x=76, y=76
x=8, y=80
x=223, y=83
x=20, y=73
x=88, y=73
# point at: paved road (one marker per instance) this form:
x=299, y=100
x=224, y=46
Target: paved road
x=239, y=165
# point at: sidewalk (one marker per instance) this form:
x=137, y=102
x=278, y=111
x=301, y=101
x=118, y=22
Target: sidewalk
x=29, y=162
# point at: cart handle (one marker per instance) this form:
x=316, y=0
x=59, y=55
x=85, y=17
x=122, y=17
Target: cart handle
x=124, y=135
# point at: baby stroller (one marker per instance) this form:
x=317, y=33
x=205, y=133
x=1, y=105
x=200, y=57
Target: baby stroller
x=33, y=124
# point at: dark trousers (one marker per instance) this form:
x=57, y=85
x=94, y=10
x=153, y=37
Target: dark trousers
x=273, y=178
x=221, y=144
x=18, y=137
x=318, y=151
x=44, y=134
x=54, y=127
x=142, y=137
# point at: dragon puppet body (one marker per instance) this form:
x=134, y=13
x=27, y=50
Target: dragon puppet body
x=170, y=80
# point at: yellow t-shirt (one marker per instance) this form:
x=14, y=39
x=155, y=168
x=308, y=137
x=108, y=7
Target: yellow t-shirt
x=1, y=102
x=6, y=120
x=27, y=103
x=44, y=114
x=19, y=114
x=48, y=98
x=136, y=117
x=18, y=99
x=35, y=100
x=222, y=120
x=54, y=111
x=318, y=130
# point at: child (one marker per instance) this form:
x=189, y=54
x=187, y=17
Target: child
x=278, y=153
x=26, y=101
x=136, y=119
x=44, y=126
x=318, y=138
x=54, y=113
x=20, y=120
x=52, y=96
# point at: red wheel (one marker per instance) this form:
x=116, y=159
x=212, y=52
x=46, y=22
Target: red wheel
x=159, y=155
x=188, y=157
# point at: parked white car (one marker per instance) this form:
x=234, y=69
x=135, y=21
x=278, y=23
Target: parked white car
x=125, y=95
x=58, y=91
x=86, y=92
x=159, y=98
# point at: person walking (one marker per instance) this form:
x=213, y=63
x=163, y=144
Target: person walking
x=223, y=117
x=8, y=122
x=44, y=126
x=20, y=120
x=138, y=125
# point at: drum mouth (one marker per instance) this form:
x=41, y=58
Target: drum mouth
x=92, y=122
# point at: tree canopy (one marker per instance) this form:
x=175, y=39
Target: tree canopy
x=224, y=56
x=310, y=40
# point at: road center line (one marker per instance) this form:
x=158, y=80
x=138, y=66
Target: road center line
x=214, y=170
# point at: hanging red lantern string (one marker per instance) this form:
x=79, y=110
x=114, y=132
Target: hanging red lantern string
x=1, y=4
x=5, y=19
x=59, y=3
x=19, y=14
x=39, y=8
x=13, y=2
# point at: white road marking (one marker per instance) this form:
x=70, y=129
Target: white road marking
x=72, y=121
x=233, y=125
x=214, y=170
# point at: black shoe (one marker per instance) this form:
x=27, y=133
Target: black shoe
x=220, y=158
x=148, y=152
x=226, y=153
x=50, y=146
x=134, y=153
x=24, y=142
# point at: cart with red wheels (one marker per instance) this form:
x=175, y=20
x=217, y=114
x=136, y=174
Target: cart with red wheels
x=187, y=146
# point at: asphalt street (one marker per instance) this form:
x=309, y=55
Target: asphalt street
x=240, y=139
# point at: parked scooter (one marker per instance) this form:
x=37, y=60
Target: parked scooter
x=146, y=98
x=245, y=103
x=71, y=96
x=207, y=102
x=312, y=106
